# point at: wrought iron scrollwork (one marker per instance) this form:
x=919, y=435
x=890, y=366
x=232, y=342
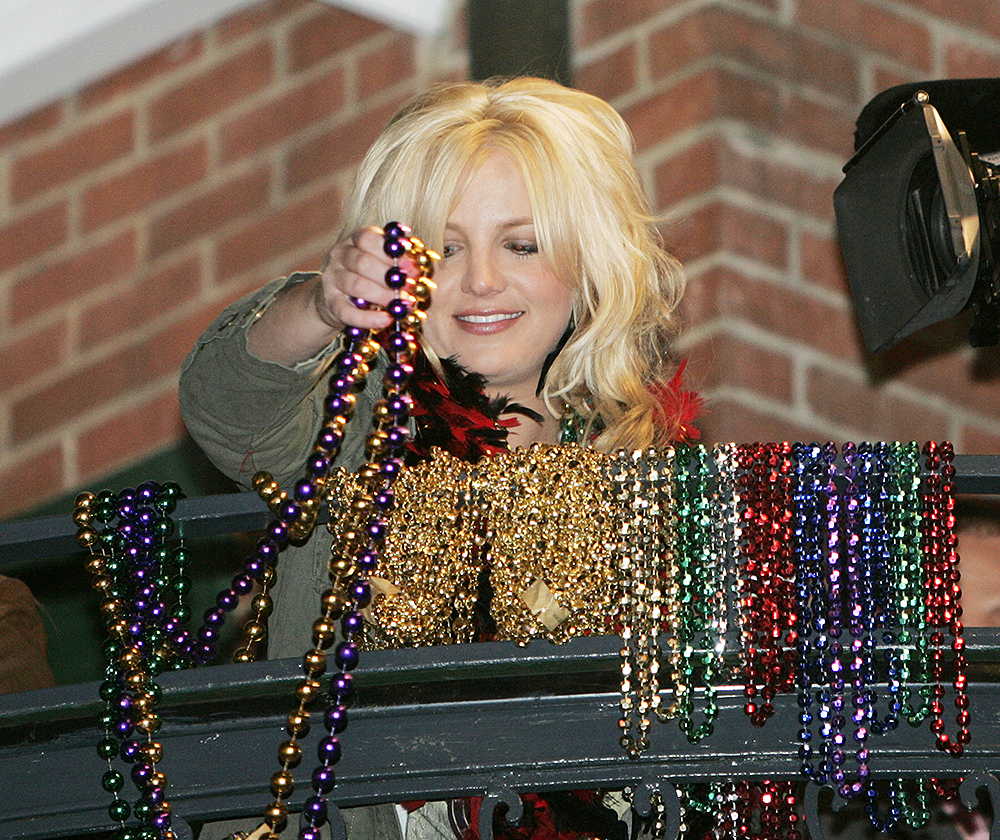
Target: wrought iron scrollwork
x=969, y=789
x=182, y=831
x=659, y=795
x=811, y=803
x=498, y=792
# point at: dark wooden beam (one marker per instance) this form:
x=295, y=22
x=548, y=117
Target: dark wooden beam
x=519, y=38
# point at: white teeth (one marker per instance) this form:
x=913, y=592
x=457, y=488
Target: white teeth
x=489, y=319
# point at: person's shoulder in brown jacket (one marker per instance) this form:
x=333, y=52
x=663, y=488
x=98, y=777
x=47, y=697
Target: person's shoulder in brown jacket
x=23, y=661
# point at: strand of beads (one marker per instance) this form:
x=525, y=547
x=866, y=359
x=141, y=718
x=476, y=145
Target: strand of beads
x=727, y=533
x=738, y=818
x=882, y=578
x=678, y=641
x=132, y=567
x=879, y=517
x=858, y=655
x=901, y=617
x=905, y=800
x=943, y=593
x=744, y=810
x=913, y=800
x=658, y=816
x=632, y=608
x=384, y=447
x=357, y=556
x=779, y=817
x=905, y=461
x=350, y=371
x=784, y=619
x=769, y=617
x=295, y=513
x=257, y=568
x=729, y=810
x=105, y=568
x=807, y=501
x=695, y=800
x=661, y=567
x=637, y=486
x=830, y=694
x=476, y=553
x=665, y=606
x=697, y=540
x=623, y=493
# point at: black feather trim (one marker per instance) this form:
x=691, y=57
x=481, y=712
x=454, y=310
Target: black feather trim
x=455, y=414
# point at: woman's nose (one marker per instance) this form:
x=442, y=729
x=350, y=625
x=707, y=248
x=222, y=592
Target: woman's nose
x=482, y=276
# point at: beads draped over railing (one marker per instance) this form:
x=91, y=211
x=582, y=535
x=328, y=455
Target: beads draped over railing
x=843, y=562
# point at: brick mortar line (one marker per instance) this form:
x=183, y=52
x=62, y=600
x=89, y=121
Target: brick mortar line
x=67, y=438
x=778, y=148
x=782, y=147
x=99, y=413
x=25, y=207
x=806, y=357
x=754, y=270
x=782, y=214
x=752, y=333
x=75, y=243
x=784, y=412
x=81, y=359
x=743, y=200
x=141, y=98
x=641, y=29
x=13, y=333
x=655, y=87
x=6, y=432
x=784, y=84
x=140, y=221
x=805, y=415
x=284, y=264
x=927, y=19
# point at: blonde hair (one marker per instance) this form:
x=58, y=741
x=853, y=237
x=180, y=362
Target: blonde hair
x=592, y=220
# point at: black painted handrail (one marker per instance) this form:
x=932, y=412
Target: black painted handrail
x=429, y=723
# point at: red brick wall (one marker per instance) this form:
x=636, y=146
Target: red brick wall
x=743, y=112
x=132, y=211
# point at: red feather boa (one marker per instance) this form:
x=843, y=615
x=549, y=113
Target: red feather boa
x=680, y=407
x=455, y=415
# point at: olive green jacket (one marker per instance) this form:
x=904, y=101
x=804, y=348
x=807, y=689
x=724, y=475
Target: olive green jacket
x=250, y=415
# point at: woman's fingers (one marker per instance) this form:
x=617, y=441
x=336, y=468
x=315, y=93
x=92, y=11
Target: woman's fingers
x=352, y=286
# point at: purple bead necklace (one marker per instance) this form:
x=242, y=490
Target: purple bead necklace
x=142, y=585
x=355, y=553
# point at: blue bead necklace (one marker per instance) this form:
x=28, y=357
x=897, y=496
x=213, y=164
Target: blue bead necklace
x=811, y=594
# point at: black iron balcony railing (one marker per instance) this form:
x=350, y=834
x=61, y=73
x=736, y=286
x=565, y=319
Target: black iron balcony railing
x=489, y=720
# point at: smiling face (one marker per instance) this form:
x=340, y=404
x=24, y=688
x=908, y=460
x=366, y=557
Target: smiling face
x=499, y=308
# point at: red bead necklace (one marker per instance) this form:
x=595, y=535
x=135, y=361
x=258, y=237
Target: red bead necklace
x=768, y=600
x=944, y=612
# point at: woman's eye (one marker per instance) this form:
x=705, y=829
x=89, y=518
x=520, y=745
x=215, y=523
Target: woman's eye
x=522, y=249
x=449, y=250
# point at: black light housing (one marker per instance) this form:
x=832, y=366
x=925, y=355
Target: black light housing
x=917, y=211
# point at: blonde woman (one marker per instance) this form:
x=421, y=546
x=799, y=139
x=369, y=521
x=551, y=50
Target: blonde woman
x=553, y=290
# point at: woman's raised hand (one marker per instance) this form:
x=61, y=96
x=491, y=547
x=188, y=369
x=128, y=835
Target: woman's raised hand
x=306, y=317
x=352, y=289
